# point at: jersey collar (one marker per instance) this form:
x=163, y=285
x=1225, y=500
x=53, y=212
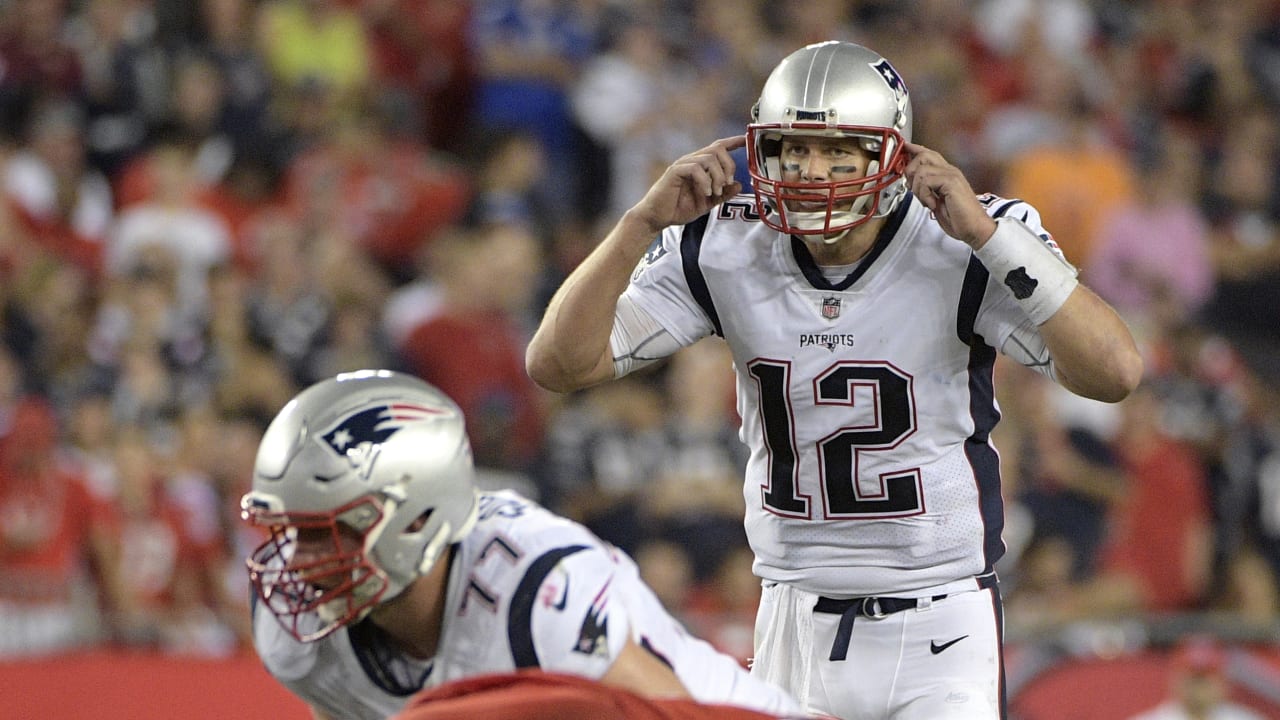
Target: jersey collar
x=813, y=273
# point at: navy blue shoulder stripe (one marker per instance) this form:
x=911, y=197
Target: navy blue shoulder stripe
x=982, y=408
x=1005, y=207
x=690, y=250
x=520, y=616
x=971, y=293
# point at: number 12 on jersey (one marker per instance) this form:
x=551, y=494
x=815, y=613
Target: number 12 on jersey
x=890, y=419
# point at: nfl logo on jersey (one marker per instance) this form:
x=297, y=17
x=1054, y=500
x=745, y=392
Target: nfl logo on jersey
x=831, y=308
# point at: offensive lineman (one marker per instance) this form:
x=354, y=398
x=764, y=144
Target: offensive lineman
x=864, y=292
x=386, y=572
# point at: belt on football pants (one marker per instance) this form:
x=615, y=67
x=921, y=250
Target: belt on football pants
x=875, y=607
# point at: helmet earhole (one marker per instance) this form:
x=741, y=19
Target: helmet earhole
x=420, y=522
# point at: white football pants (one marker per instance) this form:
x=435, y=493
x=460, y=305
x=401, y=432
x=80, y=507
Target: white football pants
x=940, y=658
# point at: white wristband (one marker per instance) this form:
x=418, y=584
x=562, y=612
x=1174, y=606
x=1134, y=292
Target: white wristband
x=1037, y=277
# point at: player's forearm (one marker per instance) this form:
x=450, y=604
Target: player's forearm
x=637, y=670
x=1094, y=354
x=570, y=349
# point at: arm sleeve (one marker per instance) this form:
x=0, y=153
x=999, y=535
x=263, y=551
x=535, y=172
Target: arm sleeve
x=637, y=339
x=660, y=290
x=1025, y=345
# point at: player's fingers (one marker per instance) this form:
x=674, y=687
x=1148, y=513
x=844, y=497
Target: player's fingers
x=934, y=174
x=729, y=190
x=921, y=158
x=924, y=185
x=722, y=151
x=711, y=169
x=915, y=150
x=720, y=176
x=710, y=173
x=917, y=166
x=731, y=143
x=693, y=170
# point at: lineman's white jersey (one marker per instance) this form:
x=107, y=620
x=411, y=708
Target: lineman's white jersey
x=867, y=404
x=527, y=589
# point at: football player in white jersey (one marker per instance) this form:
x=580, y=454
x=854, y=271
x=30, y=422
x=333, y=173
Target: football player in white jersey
x=385, y=572
x=864, y=291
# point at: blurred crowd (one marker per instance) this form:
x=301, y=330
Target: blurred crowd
x=206, y=205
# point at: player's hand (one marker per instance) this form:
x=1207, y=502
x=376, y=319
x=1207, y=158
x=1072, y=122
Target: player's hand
x=691, y=186
x=945, y=191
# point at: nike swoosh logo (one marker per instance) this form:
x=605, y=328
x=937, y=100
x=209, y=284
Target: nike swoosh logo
x=935, y=648
x=564, y=596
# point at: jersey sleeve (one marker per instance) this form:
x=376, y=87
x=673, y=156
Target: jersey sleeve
x=1000, y=320
x=660, y=287
x=579, y=625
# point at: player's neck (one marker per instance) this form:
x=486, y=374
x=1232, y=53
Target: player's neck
x=414, y=620
x=849, y=249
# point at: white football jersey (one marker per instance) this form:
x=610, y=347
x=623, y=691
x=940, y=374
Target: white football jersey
x=527, y=589
x=867, y=404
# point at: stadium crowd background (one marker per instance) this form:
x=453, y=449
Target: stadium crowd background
x=209, y=204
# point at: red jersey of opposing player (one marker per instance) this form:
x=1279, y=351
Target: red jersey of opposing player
x=537, y=695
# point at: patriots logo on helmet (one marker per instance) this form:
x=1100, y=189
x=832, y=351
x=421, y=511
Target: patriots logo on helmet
x=357, y=437
x=891, y=77
x=895, y=83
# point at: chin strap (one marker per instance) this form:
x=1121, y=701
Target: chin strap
x=447, y=536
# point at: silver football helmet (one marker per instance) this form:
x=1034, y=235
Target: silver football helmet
x=831, y=89
x=362, y=481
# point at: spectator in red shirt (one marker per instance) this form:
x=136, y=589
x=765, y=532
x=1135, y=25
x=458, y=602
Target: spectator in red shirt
x=473, y=347
x=49, y=522
x=1161, y=535
x=161, y=559
x=65, y=205
x=388, y=193
x=34, y=54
